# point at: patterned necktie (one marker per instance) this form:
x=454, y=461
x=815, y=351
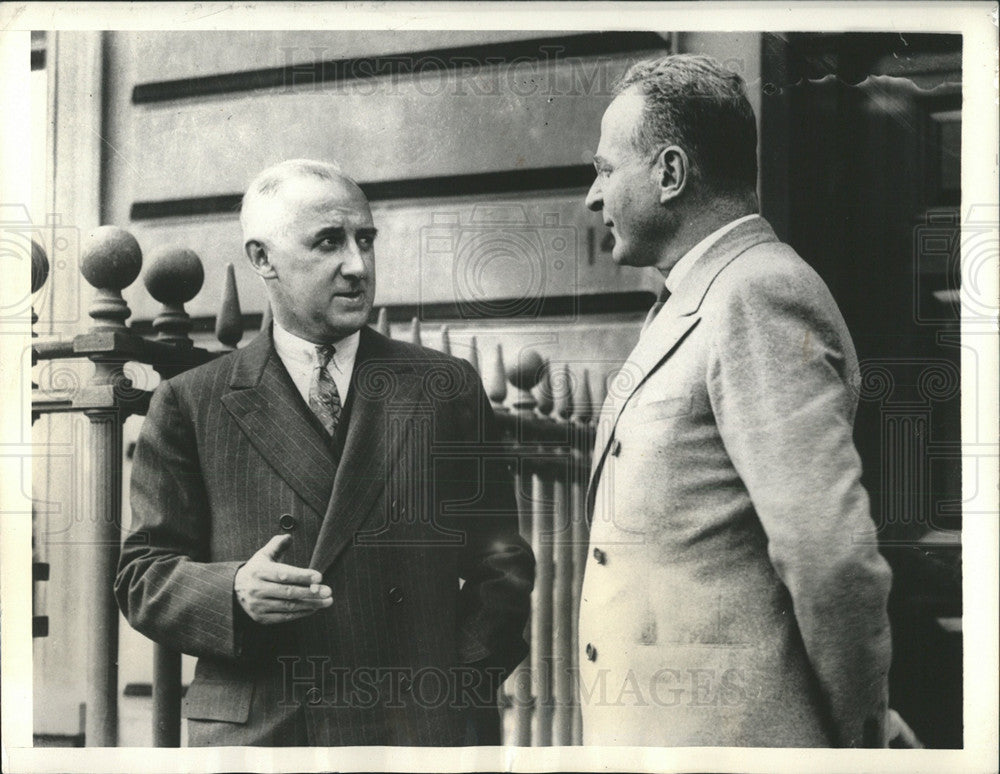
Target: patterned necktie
x=324, y=399
x=655, y=308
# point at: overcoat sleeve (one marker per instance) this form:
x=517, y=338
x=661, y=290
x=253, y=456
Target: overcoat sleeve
x=780, y=381
x=166, y=587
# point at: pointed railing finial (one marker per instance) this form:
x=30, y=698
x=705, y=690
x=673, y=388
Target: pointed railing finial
x=495, y=380
x=229, y=323
x=415, y=331
x=562, y=393
x=445, y=340
x=583, y=403
x=382, y=323
x=601, y=394
x=474, y=354
x=543, y=391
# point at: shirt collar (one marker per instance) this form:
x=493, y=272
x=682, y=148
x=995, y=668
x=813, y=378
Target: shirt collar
x=683, y=266
x=295, y=349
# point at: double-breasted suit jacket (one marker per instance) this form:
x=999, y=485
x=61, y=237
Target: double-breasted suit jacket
x=409, y=515
x=734, y=594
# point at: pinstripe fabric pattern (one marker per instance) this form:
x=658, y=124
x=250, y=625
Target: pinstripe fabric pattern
x=229, y=448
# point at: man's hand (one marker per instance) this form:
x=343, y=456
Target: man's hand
x=271, y=592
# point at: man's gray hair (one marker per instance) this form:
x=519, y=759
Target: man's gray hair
x=694, y=102
x=268, y=182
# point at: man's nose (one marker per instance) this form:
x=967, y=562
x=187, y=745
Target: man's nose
x=354, y=264
x=595, y=198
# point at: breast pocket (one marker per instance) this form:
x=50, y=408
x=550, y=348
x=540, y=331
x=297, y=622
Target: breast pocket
x=224, y=700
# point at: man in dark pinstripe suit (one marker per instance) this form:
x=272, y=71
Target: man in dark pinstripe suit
x=323, y=517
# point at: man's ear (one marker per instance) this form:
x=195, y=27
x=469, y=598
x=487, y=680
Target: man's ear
x=257, y=254
x=673, y=170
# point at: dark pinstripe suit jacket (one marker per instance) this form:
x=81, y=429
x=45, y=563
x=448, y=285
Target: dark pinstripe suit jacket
x=412, y=500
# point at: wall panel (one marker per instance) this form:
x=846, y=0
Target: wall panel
x=472, y=252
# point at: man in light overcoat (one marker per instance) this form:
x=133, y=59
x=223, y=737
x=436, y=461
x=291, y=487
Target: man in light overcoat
x=734, y=593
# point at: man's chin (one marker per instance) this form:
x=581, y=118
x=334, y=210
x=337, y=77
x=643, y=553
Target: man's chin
x=345, y=324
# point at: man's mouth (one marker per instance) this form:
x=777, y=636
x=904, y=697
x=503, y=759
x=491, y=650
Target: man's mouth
x=352, y=295
x=609, y=238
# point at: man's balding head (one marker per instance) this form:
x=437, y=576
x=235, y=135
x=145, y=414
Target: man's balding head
x=309, y=234
x=260, y=211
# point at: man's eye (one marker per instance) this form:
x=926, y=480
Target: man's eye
x=330, y=242
x=366, y=242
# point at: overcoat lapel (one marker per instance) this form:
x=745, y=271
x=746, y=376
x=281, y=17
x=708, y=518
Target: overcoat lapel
x=667, y=330
x=385, y=392
x=269, y=409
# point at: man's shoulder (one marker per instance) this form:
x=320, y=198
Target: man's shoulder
x=770, y=270
x=407, y=354
x=205, y=377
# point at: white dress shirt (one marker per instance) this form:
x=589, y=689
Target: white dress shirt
x=300, y=360
x=683, y=266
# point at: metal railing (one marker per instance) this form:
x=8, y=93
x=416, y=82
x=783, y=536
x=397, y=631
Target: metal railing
x=545, y=415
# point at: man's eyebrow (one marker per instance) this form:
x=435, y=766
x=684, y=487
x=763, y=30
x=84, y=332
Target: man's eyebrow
x=329, y=231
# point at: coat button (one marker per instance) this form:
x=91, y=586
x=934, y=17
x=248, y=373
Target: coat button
x=314, y=696
x=591, y=652
x=287, y=522
x=616, y=447
x=395, y=595
x=599, y=556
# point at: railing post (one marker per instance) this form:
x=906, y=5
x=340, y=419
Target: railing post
x=103, y=542
x=110, y=261
x=174, y=277
x=166, y=697
x=563, y=646
x=524, y=375
x=582, y=415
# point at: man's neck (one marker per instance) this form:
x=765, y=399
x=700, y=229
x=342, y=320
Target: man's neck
x=698, y=221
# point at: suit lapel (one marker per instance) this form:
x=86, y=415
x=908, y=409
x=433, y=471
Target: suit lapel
x=385, y=391
x=269, y=409
x=665, y=333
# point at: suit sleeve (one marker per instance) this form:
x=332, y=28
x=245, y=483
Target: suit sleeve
x=780, y=384
x=165, y=587
x=497, y=566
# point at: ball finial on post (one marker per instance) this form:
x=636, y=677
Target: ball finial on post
x=525, y=374
x=39, y=273
x=174, y=277
x=39, y=266
x=110, y=261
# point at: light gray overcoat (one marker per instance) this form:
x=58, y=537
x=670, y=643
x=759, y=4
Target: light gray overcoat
x=734, y=593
